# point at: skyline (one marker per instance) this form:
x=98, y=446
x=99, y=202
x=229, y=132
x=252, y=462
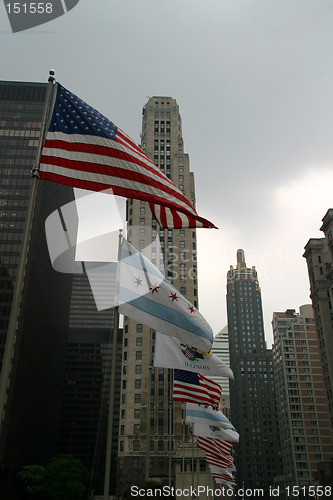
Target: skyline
x=253, y=83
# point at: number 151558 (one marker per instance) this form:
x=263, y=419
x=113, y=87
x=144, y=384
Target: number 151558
x=29, y=8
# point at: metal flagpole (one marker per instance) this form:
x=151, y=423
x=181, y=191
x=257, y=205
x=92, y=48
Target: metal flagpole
x=150, y=368
x=170, y=412
x=112, y=392
x=15, y=307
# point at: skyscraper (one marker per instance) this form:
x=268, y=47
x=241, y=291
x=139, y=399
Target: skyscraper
x=319, y=257
x=305, y=432
x=151, y=427
x=220, y=347
x=252, y=396
x=29, y=424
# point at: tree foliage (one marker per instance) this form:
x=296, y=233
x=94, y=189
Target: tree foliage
x=64, y=478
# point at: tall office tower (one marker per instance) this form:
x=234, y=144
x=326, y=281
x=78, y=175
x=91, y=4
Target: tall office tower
x=252, y=396
x=305, y=432
x=32, y=404
x=220, y=347
x=85, y=406
x=319, y=257
x=151, y=427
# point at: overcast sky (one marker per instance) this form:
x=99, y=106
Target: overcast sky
x=253, y=79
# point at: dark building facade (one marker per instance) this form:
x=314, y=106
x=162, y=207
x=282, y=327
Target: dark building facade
x=29, y=424
x=84, y=414
x=252, y=398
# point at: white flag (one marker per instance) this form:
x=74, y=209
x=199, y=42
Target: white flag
x=213, y=432
x=172, y=353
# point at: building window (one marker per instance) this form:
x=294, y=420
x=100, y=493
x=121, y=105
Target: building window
x=138, y=355
x=136, y=445
x=142, y=210
x=139, y=341
x=139, y=328
x=142, y=221
x=138, y=383
x=136, y=413
x=137, y=398
x=138, y=369
x=136, y=429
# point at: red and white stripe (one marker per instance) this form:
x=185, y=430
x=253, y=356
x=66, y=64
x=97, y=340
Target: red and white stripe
x=214, y=446
x=221, y=461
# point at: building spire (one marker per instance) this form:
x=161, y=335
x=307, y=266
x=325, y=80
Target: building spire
x=241, y=264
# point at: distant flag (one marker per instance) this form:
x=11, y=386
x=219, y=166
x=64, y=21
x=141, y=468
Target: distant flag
x=83, y=149
x=172, y=353
x=215, y=446
x=214, y=432
x=206, y=415
x=195, y=388
x=146, y=296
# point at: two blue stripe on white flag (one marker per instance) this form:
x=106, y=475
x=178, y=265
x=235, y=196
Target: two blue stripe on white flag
x=146, y=296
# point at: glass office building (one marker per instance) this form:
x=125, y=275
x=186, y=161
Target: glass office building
x=30, y=421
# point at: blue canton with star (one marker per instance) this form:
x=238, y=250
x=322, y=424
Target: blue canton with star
x=71, y=115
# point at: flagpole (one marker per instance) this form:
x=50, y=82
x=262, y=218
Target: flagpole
x=19, y=282
x=150, y=367
x=183, y=443
x=112, y=391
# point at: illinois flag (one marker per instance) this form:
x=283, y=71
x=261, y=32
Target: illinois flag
x=215, y=432
x=84, y=149
x=195, y=388
x=206, y=415
x=146, y=296
x=172, y=353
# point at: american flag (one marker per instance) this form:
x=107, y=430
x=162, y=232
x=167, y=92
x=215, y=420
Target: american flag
x=83, y=149
x=222, y=475
x=193, y=387
x=222, y=461
x=214, y=446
